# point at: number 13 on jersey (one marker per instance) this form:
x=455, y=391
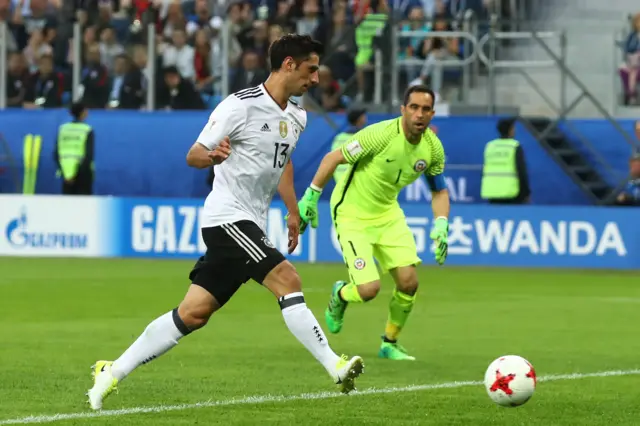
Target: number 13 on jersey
x=280, y=155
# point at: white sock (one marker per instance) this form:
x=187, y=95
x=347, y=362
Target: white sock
x=161, y=335
x=305, y=327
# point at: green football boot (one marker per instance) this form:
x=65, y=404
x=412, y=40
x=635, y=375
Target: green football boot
x=334, y=314
x=394, y=351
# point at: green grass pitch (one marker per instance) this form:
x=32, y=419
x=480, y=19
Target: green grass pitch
x=61, y=315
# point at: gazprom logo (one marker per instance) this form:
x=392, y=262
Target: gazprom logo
x=21, y=235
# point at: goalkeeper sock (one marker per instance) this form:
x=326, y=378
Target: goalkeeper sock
x=349, y=293
x=400, y=307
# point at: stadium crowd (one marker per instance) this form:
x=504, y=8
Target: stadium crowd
x=188, y=33
x=630, y=69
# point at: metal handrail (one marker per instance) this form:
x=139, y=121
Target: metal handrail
x=442, y=34
x=520, y=35
x=4, y=38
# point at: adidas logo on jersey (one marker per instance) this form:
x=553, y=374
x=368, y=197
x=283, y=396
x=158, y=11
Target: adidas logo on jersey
x=265, y=128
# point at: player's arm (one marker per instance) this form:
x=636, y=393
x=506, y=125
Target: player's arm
x=287, y=190
x=288, y=194
x=440, y=203
x=366, y=143
x=213, y=144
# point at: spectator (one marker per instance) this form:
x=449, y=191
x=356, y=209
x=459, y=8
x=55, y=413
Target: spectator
x=140, y=60
x=372, y=25
x=45, y=86
x=251, y=74
x=174, y=20
x=410, y=47
x=17, y=77
x=310, y=20
x=282, y=17
x=178, y=93
x=128, y=85
x=630, y=69
x=338, y=37
x=257, y=40
x=180, y=55
x=436, y=50
x=327, y=92
x=89, y=37
x=38, y=15
x=275, y=33
x=216, y=26
x=109, y=48
x=36, y=47
x=203, y=62
x=5, y=16
x=335, y=33
x=240, y=24
x=202, y=20
x=95, y=80
x=630, y=195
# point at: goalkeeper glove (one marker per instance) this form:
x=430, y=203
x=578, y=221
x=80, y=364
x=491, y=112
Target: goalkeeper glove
x=439, y=235
x=308, y=206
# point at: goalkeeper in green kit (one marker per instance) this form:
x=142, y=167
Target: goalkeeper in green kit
x=383, y=158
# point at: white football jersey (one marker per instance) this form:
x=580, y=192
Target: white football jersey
x=263, y=137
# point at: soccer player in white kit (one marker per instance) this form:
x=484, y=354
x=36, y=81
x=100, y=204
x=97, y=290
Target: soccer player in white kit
x=249, y=139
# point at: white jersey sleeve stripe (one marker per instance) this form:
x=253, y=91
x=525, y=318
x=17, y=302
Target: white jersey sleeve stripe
x=252, y=254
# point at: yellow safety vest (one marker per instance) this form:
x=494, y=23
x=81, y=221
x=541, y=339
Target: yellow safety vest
x=499, y=172
x=338, y=141
x=72, y=147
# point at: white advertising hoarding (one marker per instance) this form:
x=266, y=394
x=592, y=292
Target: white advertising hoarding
x=50, y=225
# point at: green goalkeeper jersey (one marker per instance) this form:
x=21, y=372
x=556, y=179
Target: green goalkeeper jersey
x=382, y=162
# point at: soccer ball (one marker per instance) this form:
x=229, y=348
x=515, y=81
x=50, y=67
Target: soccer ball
x=510, y=381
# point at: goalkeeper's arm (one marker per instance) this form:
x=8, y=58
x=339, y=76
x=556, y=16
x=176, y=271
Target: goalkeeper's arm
x=440, y=206
x=327, y=167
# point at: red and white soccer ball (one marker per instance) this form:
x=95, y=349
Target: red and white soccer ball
x=510, y=381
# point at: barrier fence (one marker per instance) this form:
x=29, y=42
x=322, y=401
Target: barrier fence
x=480, y=235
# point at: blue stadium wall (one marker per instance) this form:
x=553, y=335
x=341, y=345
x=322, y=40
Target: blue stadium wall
x=142, y=154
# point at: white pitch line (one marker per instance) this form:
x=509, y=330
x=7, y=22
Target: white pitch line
x=263, y=399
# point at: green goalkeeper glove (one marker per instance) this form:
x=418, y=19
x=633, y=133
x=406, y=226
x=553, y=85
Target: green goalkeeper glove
x=308, y=206
x=439, y=234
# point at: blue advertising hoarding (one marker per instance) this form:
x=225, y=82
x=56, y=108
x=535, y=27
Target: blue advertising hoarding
x=142, y=154
x=580, y=237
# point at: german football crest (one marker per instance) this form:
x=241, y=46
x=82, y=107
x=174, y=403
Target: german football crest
x=267, y=243
x=284, y=129
x=420, y=166
x=359, y=264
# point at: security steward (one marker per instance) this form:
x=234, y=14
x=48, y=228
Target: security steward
x=357, y=119
x=74, y=153
x=504, y=172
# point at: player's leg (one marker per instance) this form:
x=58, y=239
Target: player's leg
x=212, y=286
x=158, y=337
x=364, y=283
x=269, y=267
x=396, y=252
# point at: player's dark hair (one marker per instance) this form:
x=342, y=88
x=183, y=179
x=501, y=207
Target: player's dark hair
x=298, y=47
x=420, y=88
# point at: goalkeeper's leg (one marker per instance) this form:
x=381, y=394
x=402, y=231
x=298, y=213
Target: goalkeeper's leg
x=397, y=254
x=365, y=279
x=400, y=307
